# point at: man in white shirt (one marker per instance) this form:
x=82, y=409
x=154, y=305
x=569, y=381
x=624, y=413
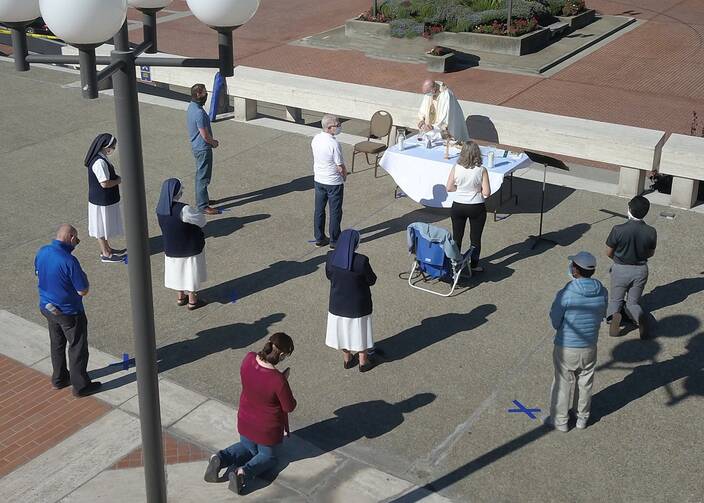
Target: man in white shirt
x=440, y=110
x=329, y=177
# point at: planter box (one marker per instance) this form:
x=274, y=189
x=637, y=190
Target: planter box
x=580, y=20
x=439, y=64
x=515, y=46
x=357, y=28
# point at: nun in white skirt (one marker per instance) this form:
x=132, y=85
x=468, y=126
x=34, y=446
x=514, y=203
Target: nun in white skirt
x=184, y=243
x=349, y=325
x=104, y=211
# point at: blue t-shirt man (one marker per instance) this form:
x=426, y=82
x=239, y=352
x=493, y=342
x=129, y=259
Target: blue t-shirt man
x=196, y=118
x=60, y=278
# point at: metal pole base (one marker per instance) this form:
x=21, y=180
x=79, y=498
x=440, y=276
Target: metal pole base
x=19, y=45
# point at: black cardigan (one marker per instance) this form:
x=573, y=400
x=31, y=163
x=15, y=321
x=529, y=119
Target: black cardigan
x=350, y=295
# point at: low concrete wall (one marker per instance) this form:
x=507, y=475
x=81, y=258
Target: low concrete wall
x=357, y=28
x=580, y=20
x=515, y=46
x=682, y=157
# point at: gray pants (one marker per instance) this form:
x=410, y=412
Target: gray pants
x=627, y=283
x=574, y=376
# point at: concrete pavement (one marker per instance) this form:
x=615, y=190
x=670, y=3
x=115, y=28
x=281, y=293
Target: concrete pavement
x=434, y=415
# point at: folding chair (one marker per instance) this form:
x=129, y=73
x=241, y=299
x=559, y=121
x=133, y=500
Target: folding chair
x=431, y=261
x=379, y=127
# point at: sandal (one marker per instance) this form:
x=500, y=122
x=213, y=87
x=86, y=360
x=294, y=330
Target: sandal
x=198, y=304
x=182, y=301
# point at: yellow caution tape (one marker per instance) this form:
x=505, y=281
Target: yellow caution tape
x=5, y=31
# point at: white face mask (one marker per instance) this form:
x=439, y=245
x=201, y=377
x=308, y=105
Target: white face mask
x=338, y=130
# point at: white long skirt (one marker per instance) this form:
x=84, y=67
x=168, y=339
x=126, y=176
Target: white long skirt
x=352, y=334
x=185, y=273
x=105, y=221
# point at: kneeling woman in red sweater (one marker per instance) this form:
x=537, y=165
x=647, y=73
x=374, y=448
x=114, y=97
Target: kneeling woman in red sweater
x=262, y=417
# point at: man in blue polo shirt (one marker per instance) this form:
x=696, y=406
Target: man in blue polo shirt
x=202, y=144
x=62, y=286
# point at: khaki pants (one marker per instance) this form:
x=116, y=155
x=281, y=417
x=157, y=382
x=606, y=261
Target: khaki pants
x=572, y=366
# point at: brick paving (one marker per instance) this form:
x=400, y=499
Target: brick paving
x=35, y=417
x=176, y=450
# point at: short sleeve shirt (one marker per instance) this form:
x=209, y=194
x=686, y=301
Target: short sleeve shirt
x=632, y=242
x=196, y=118
x=100, y=168
x=60, y=278
x=327, y=156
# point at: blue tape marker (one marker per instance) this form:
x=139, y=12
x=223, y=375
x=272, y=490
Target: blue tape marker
x=233, y=297
x=522, y=409
x=312, y=241
x=125, y=361
x=124, y=259
x=221, y=210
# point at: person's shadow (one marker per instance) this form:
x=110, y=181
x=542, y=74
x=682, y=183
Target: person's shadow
x=207, y=342
x=297, y=185
x=371, y=419
x=276, y=274
x=431, y=331
x=439, y=197
x=652, y=374
x=399, y=224
x=500, y=261
x=673, y=293
x=213, y=229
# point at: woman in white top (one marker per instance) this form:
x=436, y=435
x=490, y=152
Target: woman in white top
x=104, y=212
x=184, y=243
x=469, y=181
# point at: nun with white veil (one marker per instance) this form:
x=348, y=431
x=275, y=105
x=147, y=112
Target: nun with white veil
x=184, y=243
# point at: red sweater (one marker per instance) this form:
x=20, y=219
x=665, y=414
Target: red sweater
x=265, y=402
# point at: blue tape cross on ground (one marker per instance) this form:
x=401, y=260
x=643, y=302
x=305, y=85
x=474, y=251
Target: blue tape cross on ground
x=522, y=409
x=125, y=363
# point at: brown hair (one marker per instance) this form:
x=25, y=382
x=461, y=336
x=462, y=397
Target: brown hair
x=278, y=344
x=470, y=156
x=197, y=90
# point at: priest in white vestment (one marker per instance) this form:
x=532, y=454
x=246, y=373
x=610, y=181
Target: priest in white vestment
x=441, y=110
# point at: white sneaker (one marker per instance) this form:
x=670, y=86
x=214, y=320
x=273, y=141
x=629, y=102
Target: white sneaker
x=559, y=427
x=581, y=423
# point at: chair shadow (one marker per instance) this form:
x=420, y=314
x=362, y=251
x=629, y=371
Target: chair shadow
x=431, y=331
x=274, y=275
x=206, y=342
x=399, y=224
x=213, y=229
x=301, y=184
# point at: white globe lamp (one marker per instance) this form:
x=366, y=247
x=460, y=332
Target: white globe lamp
x=84, y=22
x=223, y=13
x=18, y=11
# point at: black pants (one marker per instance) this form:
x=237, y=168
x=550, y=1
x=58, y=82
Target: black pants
x=71, y=328
x=476, y=213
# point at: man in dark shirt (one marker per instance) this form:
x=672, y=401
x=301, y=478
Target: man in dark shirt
x=62, y=286
x=630, y=245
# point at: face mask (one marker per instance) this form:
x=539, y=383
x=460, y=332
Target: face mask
x=338, y=130
x=569, y=270
x=430, y=94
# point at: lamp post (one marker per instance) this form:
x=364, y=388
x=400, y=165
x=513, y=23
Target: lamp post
x=86, y=24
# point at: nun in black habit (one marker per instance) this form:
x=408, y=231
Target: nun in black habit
x=104, y=212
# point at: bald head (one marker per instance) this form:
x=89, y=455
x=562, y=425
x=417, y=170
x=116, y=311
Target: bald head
x=68, y=234
x=429, y=86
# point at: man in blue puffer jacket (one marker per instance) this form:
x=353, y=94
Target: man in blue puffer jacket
x=576, y=314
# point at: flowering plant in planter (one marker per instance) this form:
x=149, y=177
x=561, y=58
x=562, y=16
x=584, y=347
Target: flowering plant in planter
x=573, y=7
x=518, y=27
x=432, y=29
x=368, y=16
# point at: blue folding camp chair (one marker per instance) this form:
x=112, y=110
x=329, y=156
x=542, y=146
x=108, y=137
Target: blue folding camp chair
x=431, y=261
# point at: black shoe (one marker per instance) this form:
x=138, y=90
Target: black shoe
x=120, y=251
x=211, y=472
x=236, y=482
x=332, y=245
x=351, y=363
x=615, y=327
x=367, y=366
x=88, y=390
x=322, y=242
x=643, y=328
x=61, y=385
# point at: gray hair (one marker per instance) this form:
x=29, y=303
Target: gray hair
x=328, y=120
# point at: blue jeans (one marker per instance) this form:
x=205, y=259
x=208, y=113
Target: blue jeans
x=323, y=194
x=253, y=458
x=204, y=170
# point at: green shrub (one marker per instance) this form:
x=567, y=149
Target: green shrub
x=406, y=28
x=397, y=9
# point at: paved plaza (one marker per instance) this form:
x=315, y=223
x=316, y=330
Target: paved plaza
x=429, y=423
